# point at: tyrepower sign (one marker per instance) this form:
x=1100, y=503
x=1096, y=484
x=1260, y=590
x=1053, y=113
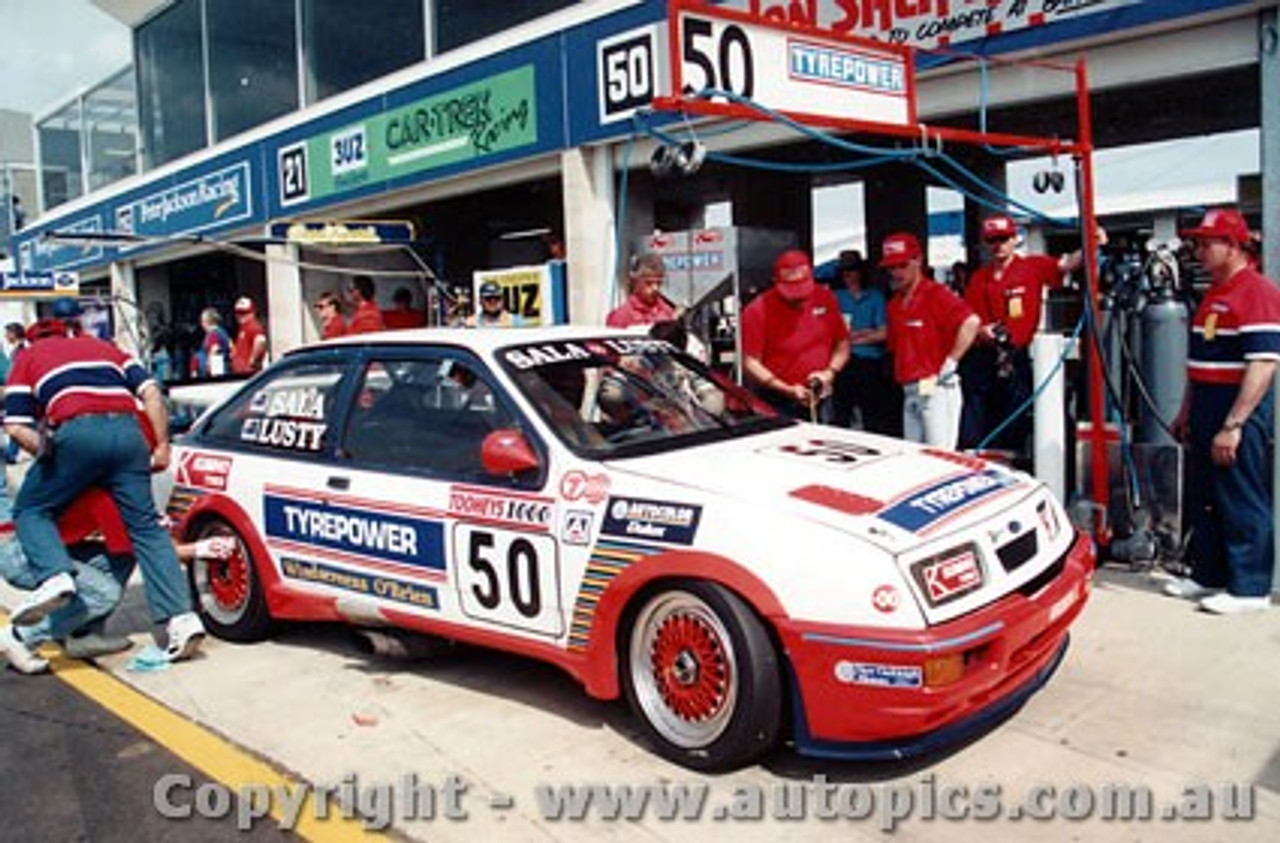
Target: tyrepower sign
x=747, y=63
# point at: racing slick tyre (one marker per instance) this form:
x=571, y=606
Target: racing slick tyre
x=228, y=591
x=702, y=676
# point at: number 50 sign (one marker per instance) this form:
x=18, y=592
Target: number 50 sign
x=805, y=73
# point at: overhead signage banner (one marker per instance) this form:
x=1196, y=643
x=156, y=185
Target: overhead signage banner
x=924, y=23
x=210, y=201
x=467, y=123
x=42, y=253
x=38, y=285
x=801, y=73
x=334, y=233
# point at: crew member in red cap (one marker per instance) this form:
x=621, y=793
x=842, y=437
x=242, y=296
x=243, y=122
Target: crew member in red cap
x=249, y=351
x=73, y=402
x=1226, y=416
x=930, y=328
x=794, y=340
x=1006, y=293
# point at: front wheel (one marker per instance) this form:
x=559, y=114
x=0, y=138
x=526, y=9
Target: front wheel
x=701, y=673
x=228, y=591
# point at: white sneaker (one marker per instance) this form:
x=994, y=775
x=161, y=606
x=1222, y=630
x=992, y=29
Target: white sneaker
x=1229, y=604
x=50, y=595
x=1188, y=589
x=21, y=657
x=186, y=634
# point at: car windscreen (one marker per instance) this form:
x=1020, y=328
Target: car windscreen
x=622, y=396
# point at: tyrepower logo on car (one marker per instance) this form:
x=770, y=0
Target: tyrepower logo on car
x=948, y=576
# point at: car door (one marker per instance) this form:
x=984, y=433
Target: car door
x=405, y=517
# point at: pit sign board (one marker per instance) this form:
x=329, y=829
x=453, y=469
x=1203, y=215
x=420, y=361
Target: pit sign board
x=39, y=285
x=799, y=71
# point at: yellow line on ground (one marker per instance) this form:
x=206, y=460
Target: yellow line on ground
x=212, y=755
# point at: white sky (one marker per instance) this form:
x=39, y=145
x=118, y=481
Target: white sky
x=51, y=49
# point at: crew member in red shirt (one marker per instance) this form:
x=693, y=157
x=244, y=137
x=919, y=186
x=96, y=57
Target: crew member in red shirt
x=367, y=318
x=645, y=303
x=1007, y=294
x=403, y=315
x=249, y=351
x=929, y=329
x=794, y=340
x=329, y=308
x=89, y=436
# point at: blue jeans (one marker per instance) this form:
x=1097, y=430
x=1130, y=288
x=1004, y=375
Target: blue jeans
x=106, y=450
x=100, y=581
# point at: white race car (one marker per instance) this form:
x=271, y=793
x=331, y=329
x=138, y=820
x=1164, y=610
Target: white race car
x=607, y=504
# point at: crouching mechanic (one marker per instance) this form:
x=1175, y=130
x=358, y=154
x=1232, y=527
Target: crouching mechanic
x=84, y=395
x=100, y=569
x=102, y=562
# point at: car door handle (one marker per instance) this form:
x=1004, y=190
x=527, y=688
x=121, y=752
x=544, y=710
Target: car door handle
x=342, y=484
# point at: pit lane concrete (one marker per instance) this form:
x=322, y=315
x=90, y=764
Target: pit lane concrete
x=1152, y=693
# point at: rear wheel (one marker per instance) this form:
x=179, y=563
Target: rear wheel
x=228, y=591
x=701, y=673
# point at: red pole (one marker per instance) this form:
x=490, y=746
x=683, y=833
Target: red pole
x=1097, y=397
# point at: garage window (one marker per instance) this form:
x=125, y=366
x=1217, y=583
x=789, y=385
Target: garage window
x=289, y=412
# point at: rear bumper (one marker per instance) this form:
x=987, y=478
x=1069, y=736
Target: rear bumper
x=864, y=692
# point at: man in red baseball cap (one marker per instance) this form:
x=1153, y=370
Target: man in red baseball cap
x=249, y=351
x=929, y=329
x=1226, y=417
x=1006, y=293
x=794, y=340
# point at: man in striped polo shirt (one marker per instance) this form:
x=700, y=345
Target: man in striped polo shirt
x=1227, y=416
x=72, y=401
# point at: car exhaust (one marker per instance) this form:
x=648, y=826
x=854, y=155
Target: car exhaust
x=403, y=646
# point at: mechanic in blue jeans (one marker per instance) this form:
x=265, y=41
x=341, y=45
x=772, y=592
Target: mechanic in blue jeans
x=83, y=394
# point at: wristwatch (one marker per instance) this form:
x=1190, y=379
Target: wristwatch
x=1232, y=425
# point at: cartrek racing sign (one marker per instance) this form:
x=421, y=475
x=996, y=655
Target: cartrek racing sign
x=491, y=115
x=798, y=72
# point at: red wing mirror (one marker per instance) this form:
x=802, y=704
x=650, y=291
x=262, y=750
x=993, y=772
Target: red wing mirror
x=506, y=452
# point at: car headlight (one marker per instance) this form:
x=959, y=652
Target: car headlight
x=948, y=576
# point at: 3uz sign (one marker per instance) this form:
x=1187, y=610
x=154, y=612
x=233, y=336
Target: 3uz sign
x=740, y=61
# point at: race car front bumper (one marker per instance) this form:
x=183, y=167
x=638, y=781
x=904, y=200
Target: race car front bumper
x=874, y=693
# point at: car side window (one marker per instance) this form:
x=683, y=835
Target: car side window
x=289, y=411
x=423, y=415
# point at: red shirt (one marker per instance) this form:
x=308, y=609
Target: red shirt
x=366, y=320
x=634, y=312
x=92, y=512
x=242, y=349
x=335, y=327
x=923, y=328
x=92, y=377
x=793, y=342
x=403, y=319
x=1014, y=300
x=1238, y=320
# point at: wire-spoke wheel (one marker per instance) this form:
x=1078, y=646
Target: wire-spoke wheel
x=701, y=673
x=228, y=591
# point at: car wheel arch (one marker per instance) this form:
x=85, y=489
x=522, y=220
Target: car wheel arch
x=602, y=678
